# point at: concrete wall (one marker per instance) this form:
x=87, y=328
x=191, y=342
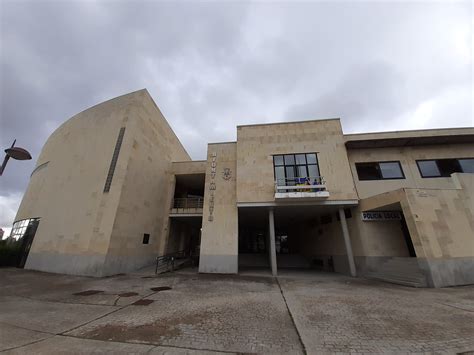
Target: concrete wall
x=407, y=157
x=257, y=144
x=83, y=230
x=189, y=167
x=219, y=238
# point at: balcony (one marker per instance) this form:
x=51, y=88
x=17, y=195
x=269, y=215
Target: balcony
x=187, y=205
x=301, y=188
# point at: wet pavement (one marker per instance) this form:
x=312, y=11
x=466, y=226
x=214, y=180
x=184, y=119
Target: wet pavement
x=189, y=313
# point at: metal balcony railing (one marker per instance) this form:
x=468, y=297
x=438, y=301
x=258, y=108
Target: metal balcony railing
x=187, y=202
x=301, y=184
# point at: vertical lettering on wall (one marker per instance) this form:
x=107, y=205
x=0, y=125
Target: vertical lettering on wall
x=212, y=185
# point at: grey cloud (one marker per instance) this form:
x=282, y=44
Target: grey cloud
x=211, y=66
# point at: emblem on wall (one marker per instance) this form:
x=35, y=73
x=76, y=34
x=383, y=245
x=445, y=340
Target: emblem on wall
x=227, y=174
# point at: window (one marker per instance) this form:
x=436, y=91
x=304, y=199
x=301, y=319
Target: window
x=445, y=167
x=380, y=170
x=289, y=167
x=428, y=168
x=20, y=228
x=113, y=163
x=146, y=238
x=467, y=165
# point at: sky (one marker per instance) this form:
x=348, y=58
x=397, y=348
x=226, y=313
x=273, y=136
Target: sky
x=378, y=65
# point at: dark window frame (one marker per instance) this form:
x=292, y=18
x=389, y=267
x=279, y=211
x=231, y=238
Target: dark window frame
x=441, y=174
x=146, y=238
x=295, y=166
x=380, y=171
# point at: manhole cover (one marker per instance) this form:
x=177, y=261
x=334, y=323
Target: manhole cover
x=162, y=288
x=87, y=293
x=143, y=302
x=128, y=294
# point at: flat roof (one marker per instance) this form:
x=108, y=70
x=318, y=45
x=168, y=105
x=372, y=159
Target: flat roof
x=287, y=122
x=410, y=138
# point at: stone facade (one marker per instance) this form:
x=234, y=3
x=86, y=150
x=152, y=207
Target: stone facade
x=92, y=223
x=219, y=249
x=84, y=230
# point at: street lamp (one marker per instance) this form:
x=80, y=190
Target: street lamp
x=15, y=153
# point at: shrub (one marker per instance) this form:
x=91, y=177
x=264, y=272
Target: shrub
x=9, y=253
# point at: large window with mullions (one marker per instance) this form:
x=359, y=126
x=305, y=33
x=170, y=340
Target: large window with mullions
x=290, y=168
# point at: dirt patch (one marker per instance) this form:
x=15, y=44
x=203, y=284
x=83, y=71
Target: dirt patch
x=152, y=333
x=148, y=333
x=87, y=293
x=143, y=302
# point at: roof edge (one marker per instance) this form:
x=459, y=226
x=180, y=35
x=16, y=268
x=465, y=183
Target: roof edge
x=289, y=122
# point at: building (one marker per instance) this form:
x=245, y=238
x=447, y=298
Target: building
x=113, y=188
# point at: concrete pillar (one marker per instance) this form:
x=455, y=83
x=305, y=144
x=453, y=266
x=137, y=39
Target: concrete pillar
x=347, y=241
x=271, y=224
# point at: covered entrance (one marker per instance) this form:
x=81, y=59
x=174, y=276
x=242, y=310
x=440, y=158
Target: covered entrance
x=310, y=237
x=185, y=237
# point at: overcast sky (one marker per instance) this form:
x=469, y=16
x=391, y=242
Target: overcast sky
x=377, y=65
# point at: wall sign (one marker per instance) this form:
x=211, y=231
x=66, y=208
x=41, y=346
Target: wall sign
x=381, y=216
x=212, y=186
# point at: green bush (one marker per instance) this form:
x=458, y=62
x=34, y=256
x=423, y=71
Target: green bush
x=9, y=253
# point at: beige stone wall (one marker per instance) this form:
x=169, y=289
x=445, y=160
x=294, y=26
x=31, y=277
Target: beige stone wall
x=367, y=238
x=407, y=157
x=219, y=238
x=189, y=167
x=377, y=238
x=76, y=216
x=82, y=229
x=441, y=221
x=257, y=144
x=146, y=192
x=441, y=226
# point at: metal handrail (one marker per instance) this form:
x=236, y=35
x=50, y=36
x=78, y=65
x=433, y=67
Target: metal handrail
x=317, y=183
x=169, y=259
x=187, y=202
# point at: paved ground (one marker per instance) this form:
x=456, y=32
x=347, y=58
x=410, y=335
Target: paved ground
x=251, y=313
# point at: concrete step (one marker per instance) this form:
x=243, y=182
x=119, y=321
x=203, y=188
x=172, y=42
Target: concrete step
x=401, y=282
x=401, y=274
x=399, y=270
x=397, y=277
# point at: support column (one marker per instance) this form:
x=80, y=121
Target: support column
x=271, y=225
x=347, y=241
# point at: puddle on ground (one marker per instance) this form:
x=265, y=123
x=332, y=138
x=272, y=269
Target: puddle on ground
x=87, y=293
x=128, y=294
x=161, y=288
x=143, y=302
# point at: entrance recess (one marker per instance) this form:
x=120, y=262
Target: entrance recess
x=295, y=237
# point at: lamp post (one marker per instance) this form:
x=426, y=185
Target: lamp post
x=15, y=153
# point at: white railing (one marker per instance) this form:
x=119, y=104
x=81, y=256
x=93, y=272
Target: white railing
x=301, y=187
x=187, y=202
